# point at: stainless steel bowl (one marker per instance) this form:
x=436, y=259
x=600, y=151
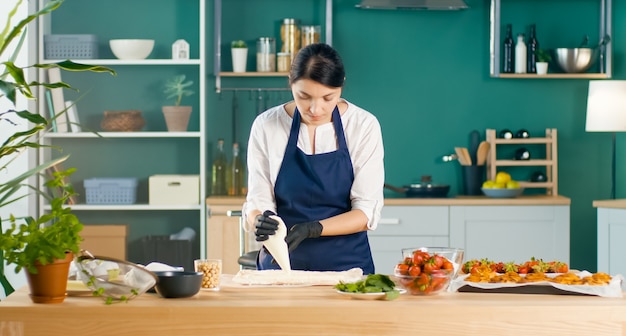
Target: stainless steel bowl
x=575, y=60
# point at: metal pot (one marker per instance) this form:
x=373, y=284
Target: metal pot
x=423, y=189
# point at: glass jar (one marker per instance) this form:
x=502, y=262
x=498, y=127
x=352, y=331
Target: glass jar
x=284, y=61
x=266, y=54
x=290, y=36
x=310, y=35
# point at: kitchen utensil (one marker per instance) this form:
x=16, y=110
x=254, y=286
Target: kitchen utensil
x=463, y=156
x=277, y=246
x=178, y=284
x=481, y=154
x=113, y=279
x=424, y=189
x=131, y=48
x=473, y=147
x=575, y=60
x=585, y=41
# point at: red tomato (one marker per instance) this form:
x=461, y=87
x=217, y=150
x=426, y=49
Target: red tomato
x=447, y=265
x=420, y=257
x=402, y=269
x=522, y=269
x=423, y=279
x=438, y=260
x=430, y=266
x=561, y=267
x=414, y=271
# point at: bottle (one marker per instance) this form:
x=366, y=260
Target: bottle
x=533, y=45
x=507, y=55
x=520, y=54
x=218, y=170
x=236, y=172
x=266, y=54
x=506, y=134
x=522, y=154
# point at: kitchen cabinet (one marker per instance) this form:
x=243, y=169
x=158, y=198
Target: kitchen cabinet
x=138, y=85
x=404, y=227
x=217, y=39
x=511, y=233
x=548, y=162
x=611, y=233
x=496, y=38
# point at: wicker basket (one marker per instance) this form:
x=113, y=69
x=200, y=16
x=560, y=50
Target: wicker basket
x=122, y=121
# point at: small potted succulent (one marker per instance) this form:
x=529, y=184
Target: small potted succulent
x=177, y=116
x=543, y=58
x=239, y=50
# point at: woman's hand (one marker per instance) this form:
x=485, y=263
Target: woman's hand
x=265, y=226
x=302, y=231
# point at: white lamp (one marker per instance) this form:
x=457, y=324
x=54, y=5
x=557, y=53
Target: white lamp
x=606, y=112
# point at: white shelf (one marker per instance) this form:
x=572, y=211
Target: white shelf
x=130, y=207
x=131, y=62
x=125, y=135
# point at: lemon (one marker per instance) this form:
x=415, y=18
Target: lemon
x=503, y=177
x=499, y=185
x=512, y=185
x=488, y=184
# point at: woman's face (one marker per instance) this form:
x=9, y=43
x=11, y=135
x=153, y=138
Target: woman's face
x=315, y=101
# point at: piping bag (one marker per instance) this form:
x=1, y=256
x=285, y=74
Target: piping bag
x=277, y=246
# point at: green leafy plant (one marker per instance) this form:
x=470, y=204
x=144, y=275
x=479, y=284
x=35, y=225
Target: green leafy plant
x=177, y=88
x=238, y=44
x=48, y=237
x=543, y=55
x=57, y=230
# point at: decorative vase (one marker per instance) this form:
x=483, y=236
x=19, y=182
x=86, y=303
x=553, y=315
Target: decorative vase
x=50, y=283
x=542, y=68
x=240, y=57
x=176, y=117
x=122, y=121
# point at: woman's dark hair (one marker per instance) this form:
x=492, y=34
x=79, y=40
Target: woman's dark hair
x=318, y=62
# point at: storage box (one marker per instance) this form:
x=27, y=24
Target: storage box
x=174, y=189
x=162, y=249
x=105, y=240
x=76, y=46
x=107, y=190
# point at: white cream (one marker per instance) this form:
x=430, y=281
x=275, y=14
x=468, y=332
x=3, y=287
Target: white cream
x=277, y=246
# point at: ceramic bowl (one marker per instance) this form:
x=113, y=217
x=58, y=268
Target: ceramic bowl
x=178, y=284
x=502, y=192
x=128, y=49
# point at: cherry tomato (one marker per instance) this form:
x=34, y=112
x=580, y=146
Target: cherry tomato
x=415, y=270
x=402, y=269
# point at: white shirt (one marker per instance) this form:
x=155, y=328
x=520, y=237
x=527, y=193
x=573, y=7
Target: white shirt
x=266, y=148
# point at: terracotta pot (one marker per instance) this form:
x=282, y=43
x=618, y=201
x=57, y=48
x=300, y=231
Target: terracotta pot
x=50, y=283
x=177, y=117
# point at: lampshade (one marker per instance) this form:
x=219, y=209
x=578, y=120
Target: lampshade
x=606, y=106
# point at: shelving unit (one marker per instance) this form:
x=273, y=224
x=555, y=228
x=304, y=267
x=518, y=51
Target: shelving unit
x=116, y=148
x=495, y=45
x=549, y=162
x=217, y=38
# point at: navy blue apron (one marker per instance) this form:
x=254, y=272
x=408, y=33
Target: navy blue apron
x=312, y=188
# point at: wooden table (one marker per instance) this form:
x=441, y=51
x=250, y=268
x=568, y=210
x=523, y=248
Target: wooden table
x=315, y=311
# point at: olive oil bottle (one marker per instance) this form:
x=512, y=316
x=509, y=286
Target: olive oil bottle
x=218, y=171
x=236, y=186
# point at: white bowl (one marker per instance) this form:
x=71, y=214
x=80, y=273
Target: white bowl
x=131, y=48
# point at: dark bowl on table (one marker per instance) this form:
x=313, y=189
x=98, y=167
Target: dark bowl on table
x=178, y=284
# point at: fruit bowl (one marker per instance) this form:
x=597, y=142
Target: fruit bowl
x=502, y=192
x=424, y=284
x=427, y=270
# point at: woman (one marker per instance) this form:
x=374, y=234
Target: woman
x=316, y=162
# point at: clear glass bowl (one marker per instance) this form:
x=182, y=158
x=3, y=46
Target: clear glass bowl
x=455, y=255
x=424, y=284
x=112, y=279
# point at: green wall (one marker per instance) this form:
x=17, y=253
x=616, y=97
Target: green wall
x=425, y=75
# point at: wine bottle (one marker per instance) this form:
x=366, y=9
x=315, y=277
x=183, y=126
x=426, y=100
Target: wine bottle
x=520, y=55
x=218, y=171
x=532, y=47
x=507, y=55
x=236, y=184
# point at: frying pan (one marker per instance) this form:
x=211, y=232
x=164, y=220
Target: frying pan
x=422, y=189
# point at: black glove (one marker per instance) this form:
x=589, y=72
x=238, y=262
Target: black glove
x=265, y=226
x=302, y=231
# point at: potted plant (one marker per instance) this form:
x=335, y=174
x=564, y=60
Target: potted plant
x=31, y=241
x=177, y=116
x=239, y=50
x=543, y=58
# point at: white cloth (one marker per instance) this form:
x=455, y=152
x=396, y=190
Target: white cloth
x=266, y=148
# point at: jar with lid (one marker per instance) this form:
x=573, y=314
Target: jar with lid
x=283, y=61
x=290, y=36
x=266, y=54
x=310, y=35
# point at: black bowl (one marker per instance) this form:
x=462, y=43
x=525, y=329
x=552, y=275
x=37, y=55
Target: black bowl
x=178, y=284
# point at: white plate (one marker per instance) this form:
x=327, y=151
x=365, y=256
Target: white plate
x=369, y=296
x=77, y=288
